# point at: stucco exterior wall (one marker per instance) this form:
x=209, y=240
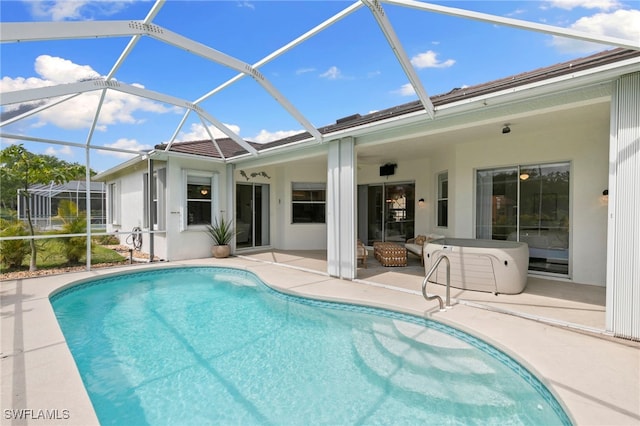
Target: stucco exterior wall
x=191, y=242
x=130, y=208
x=286, y=235
x=300, y=236
x=443, y=160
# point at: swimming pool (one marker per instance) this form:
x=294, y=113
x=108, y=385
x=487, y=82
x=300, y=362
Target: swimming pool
x=208, y=345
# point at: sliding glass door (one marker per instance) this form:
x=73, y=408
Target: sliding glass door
x=528, y=203
x=386, y=212
x=252, y=215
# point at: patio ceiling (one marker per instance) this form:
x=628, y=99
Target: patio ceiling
x=426, y=144
x=34, y=31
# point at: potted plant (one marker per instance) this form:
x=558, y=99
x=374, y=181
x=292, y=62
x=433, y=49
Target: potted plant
x=221, y=233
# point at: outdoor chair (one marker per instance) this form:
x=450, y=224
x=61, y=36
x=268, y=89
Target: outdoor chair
x=361, y=253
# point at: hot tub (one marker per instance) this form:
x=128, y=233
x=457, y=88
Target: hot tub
x=482, y=265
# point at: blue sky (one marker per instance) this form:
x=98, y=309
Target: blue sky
x=346, y=69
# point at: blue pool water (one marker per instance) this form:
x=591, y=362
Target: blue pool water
x=195, y=346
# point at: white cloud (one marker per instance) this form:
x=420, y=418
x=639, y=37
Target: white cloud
x=586, y=4
x=61, y=10
x=304, y=70
x=129, y=144
x=65, y=151
x=623, y=24
x=78, y=112
x=265, y=136
x=198, y=132
x=247, y=5
x=429, y=59
x=332, y=73
x=516, y=12
x=405, y=90
x=59, y=70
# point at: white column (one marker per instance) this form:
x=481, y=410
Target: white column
x=623, y=231
x=341, y=209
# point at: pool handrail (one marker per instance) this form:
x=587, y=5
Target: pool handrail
x=448, y=288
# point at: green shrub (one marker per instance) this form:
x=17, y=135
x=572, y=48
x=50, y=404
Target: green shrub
x=73, y=223
x=12, y=252
x=107, y=240
x=75, y=247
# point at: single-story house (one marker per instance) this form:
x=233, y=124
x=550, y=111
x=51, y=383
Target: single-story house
x=549, y=157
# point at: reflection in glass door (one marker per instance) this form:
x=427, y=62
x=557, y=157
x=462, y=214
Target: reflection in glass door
x=252, y=215
x=529, y=204
x=386, y=212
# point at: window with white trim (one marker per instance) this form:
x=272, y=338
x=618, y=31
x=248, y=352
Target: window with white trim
x=442, y=213
x=200, y=197
x=157, y=201
x=308, y=202
x=113, y=206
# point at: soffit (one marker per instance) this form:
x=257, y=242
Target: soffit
x=405, y=149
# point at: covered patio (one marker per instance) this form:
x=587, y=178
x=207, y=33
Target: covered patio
x=551, y=301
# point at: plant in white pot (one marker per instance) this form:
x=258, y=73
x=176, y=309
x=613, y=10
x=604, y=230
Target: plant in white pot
x=221, y=233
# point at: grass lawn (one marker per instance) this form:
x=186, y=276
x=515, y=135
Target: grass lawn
x=50, y=255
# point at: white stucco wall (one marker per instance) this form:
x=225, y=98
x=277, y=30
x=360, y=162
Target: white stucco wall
x=299, y=236
x=191, y=242
x=131, y=208
x=284, y=234
x=443, y=160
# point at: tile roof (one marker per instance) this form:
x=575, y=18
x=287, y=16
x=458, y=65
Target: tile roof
x=231, y=149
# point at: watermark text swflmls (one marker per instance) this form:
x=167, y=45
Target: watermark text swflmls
x=32, y=414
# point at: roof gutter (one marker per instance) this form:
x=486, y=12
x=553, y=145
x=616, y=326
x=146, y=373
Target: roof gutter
x=155, y=154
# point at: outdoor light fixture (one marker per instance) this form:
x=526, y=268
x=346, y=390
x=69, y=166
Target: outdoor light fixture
x=524, y=176
x=605, y=196
x=506, y=129
x=204, y=191
x=421, y=202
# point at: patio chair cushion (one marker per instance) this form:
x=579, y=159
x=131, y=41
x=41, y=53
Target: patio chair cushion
x=416, y=245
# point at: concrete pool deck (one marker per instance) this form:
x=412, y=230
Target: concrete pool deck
x=595, y=377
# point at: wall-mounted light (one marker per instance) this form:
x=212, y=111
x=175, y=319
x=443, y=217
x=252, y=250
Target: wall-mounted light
x=421, y=202
x=605, y=196
x=506, y=129
x=524, y=176
x=204, y=191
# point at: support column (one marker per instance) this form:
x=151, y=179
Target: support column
x=341, y=209
x=623, y=231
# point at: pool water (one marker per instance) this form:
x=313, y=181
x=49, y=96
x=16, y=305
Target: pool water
x=205, y=345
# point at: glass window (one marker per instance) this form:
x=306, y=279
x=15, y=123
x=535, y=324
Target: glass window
x=154, y=202
x=113, y=208
x=308, y=202
x=442, y=214
x=199, y=204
